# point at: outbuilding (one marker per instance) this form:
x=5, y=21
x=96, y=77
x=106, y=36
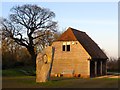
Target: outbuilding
x=76, y=54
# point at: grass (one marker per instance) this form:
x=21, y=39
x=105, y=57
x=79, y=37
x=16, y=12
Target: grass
x=15, y=78
x=21, y=71
x=29, y=82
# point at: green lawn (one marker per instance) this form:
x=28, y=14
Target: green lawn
x=21, y=71
x=29, y=82
x=18, y=78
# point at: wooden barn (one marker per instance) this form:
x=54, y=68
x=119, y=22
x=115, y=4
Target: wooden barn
x=76, y=54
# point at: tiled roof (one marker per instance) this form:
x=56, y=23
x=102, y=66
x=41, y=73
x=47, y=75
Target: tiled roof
x=89, y=45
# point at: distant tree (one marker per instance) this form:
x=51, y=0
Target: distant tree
x=26, y=24
x=9, y=52
x=112, y=64
x=14, y=55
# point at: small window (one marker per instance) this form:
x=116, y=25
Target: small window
x=68, y=48
x=63, y=48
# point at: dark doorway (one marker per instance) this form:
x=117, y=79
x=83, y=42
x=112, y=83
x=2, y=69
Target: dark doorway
x=92, y=69
x=98, y=68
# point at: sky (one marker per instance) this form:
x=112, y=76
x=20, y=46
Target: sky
x=98, y=19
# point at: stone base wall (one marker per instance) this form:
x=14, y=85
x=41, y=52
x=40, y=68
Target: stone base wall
x=70, y=75
x=85, y=76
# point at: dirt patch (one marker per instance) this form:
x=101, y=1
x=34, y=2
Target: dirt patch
x=109, y=76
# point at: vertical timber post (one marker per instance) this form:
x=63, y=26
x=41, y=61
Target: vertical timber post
x=95, y=68
x=106, y=67
x=101, y=66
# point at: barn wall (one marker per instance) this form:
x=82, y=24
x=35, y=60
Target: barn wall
x=76, y=59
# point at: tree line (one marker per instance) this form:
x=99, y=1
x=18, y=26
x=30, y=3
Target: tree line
x=113, y=65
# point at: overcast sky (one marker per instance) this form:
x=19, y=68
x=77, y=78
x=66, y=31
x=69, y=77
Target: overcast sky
x=98, y=19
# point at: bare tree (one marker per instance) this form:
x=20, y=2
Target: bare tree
x=113, y=64
x=46, y=40
x=27, y=23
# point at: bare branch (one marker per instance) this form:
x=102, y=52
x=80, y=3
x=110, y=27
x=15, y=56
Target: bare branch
x=30, y=19
x=39, y=36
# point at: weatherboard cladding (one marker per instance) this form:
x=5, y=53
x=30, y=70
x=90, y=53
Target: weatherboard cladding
x=90, y=46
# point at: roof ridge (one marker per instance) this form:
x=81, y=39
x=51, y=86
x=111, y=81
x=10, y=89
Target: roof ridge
x=67, y=35
x=73, y=32
x=76, y=30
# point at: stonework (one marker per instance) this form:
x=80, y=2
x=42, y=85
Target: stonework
x=44, y=65
x=74, y=60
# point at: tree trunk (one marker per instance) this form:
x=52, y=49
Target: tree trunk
x=32, y=53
